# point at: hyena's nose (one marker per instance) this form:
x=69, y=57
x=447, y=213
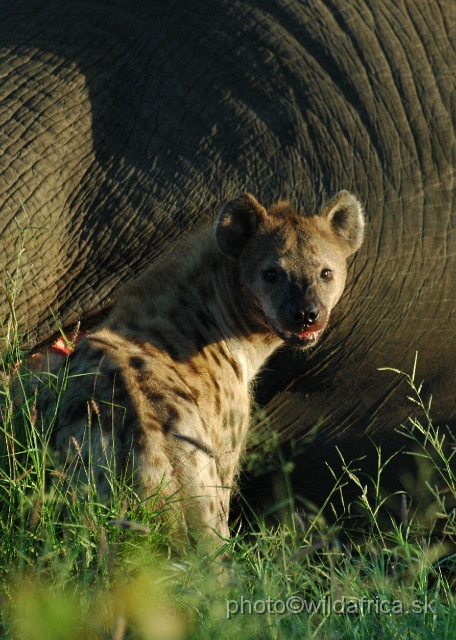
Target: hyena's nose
x=307, y=315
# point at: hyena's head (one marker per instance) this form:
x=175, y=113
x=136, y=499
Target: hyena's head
x=292, y=268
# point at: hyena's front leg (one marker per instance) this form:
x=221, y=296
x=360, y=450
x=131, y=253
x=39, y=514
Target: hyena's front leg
x=185, y=474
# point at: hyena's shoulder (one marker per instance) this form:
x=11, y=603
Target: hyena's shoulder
x=169, y=289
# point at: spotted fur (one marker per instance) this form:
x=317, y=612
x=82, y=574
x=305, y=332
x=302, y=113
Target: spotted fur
x=161, y=391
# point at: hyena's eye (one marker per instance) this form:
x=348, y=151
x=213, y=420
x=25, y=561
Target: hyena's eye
x=326, y=274
x=270, y=275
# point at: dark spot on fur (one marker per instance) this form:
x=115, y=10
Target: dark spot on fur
x=218, y=404
x=183, y=394
x=195, y=392
x=201, y=352
x=137, y=363
x=227, y=357
x=236, y=367
x=194, y=369
x=220, y=349
x=216, y=384
x=152, y=397
x=175, y=372
x=215, y=358
x=173, y=417
x=212, y=506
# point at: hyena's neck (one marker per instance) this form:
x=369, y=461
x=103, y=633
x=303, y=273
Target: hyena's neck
x=248, y=339
x=192, y=301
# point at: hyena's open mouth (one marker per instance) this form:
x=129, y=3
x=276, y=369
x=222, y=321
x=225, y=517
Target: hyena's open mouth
x=305, y=338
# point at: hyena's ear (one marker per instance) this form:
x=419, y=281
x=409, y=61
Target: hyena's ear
x=345, y=215
x=236, y=224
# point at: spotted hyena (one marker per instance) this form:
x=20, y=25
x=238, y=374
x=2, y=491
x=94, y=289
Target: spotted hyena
x=160, y=391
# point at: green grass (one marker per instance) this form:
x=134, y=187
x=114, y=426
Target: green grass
x=73, y=567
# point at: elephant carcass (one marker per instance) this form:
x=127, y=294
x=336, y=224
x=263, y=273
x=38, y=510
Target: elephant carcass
x=126, y=124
